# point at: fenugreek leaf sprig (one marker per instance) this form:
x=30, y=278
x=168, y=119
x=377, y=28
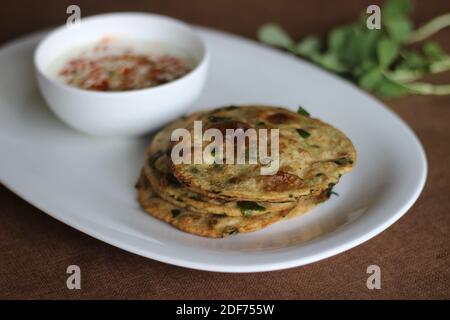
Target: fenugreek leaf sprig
x=377, y=60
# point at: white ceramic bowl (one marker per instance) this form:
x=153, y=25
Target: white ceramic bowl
x=126, y=113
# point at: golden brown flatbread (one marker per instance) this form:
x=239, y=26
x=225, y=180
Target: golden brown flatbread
x=313, y=155
x=210, y=225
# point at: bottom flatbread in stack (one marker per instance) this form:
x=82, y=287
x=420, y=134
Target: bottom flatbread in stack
x=213, y=225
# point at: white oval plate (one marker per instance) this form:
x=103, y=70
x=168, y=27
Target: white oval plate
x=87, y=182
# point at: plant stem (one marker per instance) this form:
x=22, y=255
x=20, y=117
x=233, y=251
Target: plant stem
x=428, y=88
x=440, y=66
x=421, y=87
x=429, y=28
x=405, y=75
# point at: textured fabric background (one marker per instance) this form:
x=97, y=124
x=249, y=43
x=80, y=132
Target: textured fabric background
x=414, y=254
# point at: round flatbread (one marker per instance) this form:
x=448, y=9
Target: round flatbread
x=313, y=156
x=210, y=225
x=156, y=168
x=171, y=190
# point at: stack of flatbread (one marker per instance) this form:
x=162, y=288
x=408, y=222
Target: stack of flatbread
x=219, y=199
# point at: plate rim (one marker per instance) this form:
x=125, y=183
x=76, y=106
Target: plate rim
x=269, y=266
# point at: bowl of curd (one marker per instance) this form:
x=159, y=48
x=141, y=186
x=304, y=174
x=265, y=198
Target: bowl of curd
x=121, y=74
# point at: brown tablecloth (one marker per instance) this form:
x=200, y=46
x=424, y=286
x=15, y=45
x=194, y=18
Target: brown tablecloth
x=414, y=254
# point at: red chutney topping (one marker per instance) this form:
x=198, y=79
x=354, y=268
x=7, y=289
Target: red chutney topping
x=122, y=72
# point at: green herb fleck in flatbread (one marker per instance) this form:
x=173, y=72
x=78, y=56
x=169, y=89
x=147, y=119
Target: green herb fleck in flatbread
x=303, y=133
x=155, y=156
x=248, y=206
x=302, y=111
x=330, y=191
x=175, y=213
x=214, y=119
x=172, y=180
x=343, y=161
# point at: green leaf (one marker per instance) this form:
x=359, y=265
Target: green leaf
x=302, y=111
x=413, y=60
x=308, y=47
x=303, y=133
x=371, y=79
x=398, y=28
x=367, y=53
x=247, y=207
x=368, y=64
x=433, y=51
x=352, y=53
x=331, y=62
x=387, y=52
x=395, y=8
x=360, y=46
x=370, y=42
x=337, y=39
x=388, y=88
x=272, y=34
